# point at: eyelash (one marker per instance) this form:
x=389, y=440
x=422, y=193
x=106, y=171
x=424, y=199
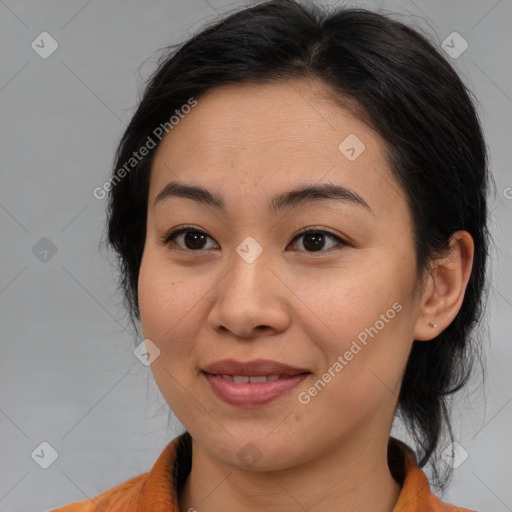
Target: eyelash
x=306, y=231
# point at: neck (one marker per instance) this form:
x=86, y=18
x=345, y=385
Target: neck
x=354, y=476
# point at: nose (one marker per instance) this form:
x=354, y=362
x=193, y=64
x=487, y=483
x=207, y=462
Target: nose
x=251, y=301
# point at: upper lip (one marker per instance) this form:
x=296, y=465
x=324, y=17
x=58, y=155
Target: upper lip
x=252, y=368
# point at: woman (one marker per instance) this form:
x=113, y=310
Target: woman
x=299, y=210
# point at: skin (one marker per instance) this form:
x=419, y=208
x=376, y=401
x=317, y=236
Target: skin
x=248, y=143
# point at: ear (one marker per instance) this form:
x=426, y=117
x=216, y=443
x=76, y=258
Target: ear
x=443, y=291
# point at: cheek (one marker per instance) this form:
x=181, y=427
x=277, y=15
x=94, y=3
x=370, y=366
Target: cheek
x=353, y=297
x=362, y=327
x=166, y=303
x=361, y=371
x=167, y=319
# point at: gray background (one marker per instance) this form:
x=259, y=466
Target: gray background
x=68, y=373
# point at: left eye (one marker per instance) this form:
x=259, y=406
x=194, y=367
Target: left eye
x=314, y=240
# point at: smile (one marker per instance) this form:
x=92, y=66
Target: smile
x=244, y=391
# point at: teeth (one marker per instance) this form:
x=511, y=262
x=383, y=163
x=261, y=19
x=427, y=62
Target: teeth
x=244, y=379
x=258, y=378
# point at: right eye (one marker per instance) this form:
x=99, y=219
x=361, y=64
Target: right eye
x=188, y=239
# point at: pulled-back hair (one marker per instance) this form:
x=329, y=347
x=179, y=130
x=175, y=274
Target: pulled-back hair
x=404, y=89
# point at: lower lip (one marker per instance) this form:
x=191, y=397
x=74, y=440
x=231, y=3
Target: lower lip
x=252, y=394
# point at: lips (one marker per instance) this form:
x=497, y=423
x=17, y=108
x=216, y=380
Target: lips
x=252, y=383
x=259, y=367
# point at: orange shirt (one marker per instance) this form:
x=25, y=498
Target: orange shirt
x=157, y=490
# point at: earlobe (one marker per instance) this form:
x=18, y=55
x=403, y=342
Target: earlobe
x=443, y=294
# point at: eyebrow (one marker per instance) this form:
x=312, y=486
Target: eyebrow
x=287, y=200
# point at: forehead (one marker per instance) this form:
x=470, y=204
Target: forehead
x=259, y=139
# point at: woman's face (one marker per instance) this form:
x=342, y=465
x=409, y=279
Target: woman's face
x=336, y=306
